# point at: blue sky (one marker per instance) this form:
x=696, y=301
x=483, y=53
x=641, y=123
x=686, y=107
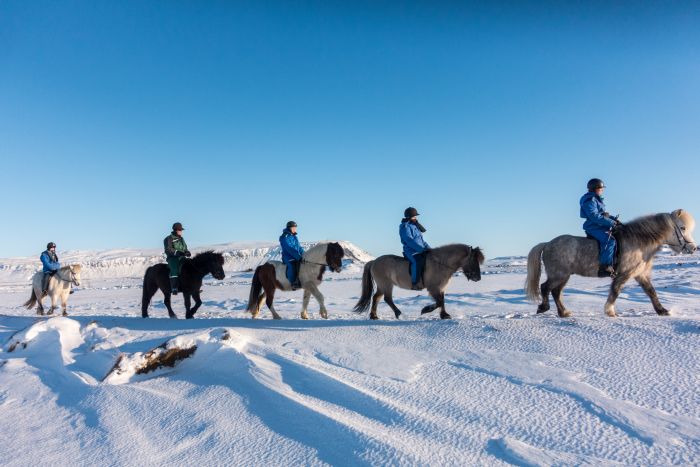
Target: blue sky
x=119, y=118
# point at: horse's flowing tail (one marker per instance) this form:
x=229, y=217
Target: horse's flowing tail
x=255, y=290
x=534, y=271
x=32, y=300
x=367, y=289
x=146, y=294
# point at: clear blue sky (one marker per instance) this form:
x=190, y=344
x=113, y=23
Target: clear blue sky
x=119, y=118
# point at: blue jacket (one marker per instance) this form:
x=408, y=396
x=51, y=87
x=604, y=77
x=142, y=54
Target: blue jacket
x=592, y=209
x=412, y=239
x=291, y=250
x=50, y=264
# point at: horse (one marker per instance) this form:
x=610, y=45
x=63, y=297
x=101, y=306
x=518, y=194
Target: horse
x=272, y=276
x=191, y=274
x=60, y=285
x=440, y=264
x=637, y=243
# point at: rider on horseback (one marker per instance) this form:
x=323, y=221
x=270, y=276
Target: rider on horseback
x=50, y=263
x=292, y=253
x=414, y=247
x=175, y=252
x=599, y=225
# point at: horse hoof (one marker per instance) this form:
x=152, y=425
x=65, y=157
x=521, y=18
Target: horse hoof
x=64, y=314
x=663, y=312
x=445, y=316
x=304, y=316
x=189, y=316
x=426, y=309
x=542, y=309
x=565, y=314
x=144, y=316
x=172, y=316
x=373, y=317
x=612, y=314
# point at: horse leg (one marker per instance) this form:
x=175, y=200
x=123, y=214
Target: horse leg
x=166, y=300
x=440, y=302
x=378, y=295
x=544, y=289
x=645, y=282
x=269, y=300
x=319, y=298
x=64, y=304
x=389, y=299
x=615, y=289
x=197, y=303
x=188, y=305
x=53, y=304
x=556, y=293
x=256, y=311
x=305, y=304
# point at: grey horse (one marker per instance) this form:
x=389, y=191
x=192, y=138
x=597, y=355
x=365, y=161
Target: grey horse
x=638, y=242
x=441, y=263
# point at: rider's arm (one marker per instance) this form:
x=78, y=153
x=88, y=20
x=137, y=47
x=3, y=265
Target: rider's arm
x=169, y=247
x=48, y=264
x=414, y=239
x=589, y=210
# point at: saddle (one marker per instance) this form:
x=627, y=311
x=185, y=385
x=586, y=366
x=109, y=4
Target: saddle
x=616, y=256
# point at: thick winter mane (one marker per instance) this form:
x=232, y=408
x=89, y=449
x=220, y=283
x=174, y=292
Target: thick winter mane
x=207, y=257
x=479, y=255
x=465, y=250
x=653, y=229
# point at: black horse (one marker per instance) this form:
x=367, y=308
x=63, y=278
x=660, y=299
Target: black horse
x=191, y=275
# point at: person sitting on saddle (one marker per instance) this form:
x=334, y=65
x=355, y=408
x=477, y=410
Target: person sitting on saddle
x=292, y=253
x=50, y=263
x=599, y=225
x=175, y=252
x=414, y=247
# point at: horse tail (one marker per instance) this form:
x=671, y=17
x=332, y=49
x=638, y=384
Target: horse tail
x=255, y=290
x=146, y=294
x=534, y=271
x=367, y=289
x=32, y=300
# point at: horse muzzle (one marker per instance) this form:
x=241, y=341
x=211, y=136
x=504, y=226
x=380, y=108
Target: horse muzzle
x=690, y=248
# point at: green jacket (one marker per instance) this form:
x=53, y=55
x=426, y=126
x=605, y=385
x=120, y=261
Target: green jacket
x=173, y=244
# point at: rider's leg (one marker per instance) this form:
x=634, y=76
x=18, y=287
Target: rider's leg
x=606, y=255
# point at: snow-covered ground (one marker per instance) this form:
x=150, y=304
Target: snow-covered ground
x=496, y=385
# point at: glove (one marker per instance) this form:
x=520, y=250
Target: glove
x=427, y=249
x=187, y=253
x=179, y=253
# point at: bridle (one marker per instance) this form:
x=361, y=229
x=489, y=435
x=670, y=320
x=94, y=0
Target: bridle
x=71, y=277
x=682, y=242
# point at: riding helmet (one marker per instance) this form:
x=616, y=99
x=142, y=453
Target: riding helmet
x=410, y=212
x=595, y=183
x=50, y=245
x=177, y=226
x=291, y=224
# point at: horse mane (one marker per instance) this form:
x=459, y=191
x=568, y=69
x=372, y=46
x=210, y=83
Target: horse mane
x=652, y=229
x=466, y=250
x=207, y=256
x=75, y=267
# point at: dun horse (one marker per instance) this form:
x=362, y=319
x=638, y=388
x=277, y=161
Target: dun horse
x=637, y=242
x=59, y=287
x=272, y=276
x=440, y=264
x=191, y=275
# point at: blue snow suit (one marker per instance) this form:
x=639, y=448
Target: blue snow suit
x=50, y=262
x=598, y=226
x=291, y=253
x=413, y=244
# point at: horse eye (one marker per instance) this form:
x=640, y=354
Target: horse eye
x=683, y=229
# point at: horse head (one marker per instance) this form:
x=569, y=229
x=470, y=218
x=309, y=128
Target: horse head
x=334, y=256
x=681, y=240
x=472, y=264
x=212, y=263
x=75, y=274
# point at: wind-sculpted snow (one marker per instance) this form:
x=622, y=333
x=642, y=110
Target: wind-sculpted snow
x=497, y=385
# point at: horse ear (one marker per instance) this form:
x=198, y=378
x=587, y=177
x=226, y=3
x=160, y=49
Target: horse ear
x=678, y=212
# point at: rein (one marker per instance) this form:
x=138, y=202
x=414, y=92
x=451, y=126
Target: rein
x=682, y=242
x=71, y=277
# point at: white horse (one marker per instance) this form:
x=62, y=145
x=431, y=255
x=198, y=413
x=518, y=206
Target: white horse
x=273, y=275
x=59, y=287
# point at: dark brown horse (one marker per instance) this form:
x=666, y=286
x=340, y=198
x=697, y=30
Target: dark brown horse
x=440, y=264
x=191, y=275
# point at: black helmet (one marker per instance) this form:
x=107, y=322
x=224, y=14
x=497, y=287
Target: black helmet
x=595, y=183
x=410, y=212
x=50, y=245
x=177, y=226
x=291, y=224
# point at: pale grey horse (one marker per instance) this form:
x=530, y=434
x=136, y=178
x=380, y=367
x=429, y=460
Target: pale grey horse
x=637, y=243
x=440, y=264
x=59, y=288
